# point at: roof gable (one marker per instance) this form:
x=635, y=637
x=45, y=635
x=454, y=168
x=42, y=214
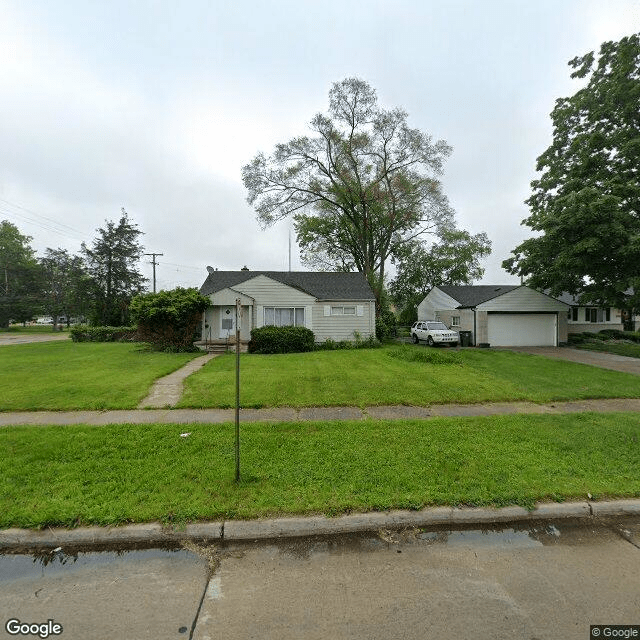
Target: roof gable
x=322, y=285
x=473, y=295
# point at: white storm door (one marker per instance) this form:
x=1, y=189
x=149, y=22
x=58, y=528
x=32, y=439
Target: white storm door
x=227, y=322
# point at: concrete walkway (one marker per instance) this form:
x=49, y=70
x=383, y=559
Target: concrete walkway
x=291, y=414
x=166, y=391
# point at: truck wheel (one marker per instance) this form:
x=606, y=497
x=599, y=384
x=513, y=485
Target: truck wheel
x=430, y=341
x=415, y=339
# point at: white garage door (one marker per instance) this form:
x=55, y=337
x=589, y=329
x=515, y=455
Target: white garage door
x=522, y=330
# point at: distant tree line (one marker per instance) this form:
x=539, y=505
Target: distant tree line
x=96, y=285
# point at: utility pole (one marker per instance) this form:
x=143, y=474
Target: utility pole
x=154, y=263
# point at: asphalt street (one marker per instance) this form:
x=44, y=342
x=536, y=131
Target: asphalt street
x=538, y=581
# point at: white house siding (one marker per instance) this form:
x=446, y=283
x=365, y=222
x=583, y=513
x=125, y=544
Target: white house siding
x=341, y=327
x=581, y=324
x=434, y=301
x=221, y=301
x=270, y=293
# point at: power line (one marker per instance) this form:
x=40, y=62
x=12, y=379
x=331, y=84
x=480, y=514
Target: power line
x=50, y=223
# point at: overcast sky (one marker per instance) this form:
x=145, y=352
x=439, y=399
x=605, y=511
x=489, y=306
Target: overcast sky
x=156, y=105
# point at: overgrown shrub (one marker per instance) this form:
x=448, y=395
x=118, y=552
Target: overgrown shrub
x=386, y=325
x=613, y=333
x=271, y=339
x=594, y=336
x=358, y=343
x=85, y=333
x=604, y=335
x=168, y=320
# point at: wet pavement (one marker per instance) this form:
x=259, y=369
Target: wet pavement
x=546, y=580
x=7, y=338
x=583, y=356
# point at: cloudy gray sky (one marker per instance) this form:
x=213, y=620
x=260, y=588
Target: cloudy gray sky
x=156, y=105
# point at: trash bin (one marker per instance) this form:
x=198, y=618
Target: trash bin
x=465, y=338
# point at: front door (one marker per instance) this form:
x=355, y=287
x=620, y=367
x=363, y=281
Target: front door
x=227, y=322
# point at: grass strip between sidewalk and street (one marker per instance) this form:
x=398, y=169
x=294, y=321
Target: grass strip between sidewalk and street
x=80, y=475
x=409, y=375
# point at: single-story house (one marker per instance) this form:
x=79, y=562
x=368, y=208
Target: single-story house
x=590, y=317
x=333, y=305
x=498, y=315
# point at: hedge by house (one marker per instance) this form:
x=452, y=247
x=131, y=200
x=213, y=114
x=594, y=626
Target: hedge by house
x=272, y=339
x=169, y=319
x=85, y=333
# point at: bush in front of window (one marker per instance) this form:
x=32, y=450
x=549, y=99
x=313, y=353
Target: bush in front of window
x=271, y=339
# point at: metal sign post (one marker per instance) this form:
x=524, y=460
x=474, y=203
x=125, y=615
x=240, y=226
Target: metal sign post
x=238, y=318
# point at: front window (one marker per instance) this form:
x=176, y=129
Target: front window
x=593, y=314
x=284, y=316
x=343, y=311
x=455, y=321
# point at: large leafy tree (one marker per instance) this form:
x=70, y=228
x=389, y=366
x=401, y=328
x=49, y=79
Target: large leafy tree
x=112, y=262
x=586, y=203
x=19, y=276
x=361, y=186
x=453, y=260
x=65, y=285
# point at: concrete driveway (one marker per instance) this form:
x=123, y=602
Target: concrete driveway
x=24, y=338
x=594, y=358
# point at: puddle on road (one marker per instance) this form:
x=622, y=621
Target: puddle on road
x=19, y=566
x=516, y=539
x=494, y=538
x=491, y=537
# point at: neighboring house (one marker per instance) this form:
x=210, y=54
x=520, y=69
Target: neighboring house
x=498, y=315
x=332, y=305
x=589, y=317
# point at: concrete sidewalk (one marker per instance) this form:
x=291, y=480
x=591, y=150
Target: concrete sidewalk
x=291, y=414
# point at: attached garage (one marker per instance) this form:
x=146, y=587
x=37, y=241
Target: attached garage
x=522, y=329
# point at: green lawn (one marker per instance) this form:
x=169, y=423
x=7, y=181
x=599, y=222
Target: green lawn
x=69, y=375
x=32, y=328
x=400, y=375
x=133, y=473
x=629, y=349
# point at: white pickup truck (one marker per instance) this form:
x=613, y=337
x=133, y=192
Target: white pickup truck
x=434, y=333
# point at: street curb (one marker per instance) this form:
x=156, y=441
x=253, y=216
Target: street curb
x=297, y=527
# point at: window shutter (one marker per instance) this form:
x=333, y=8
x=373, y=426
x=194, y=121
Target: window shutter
x=360, y=310
x=327, y=310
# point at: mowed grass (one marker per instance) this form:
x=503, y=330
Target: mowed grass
x=32, y=328
x=400, y=375
x=69, y=375
x=629, y=349
x=115, y=474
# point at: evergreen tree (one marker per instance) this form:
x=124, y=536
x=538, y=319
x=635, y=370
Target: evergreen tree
x=112, y=264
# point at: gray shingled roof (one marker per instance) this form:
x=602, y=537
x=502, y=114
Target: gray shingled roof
x=473, y=295
x=319, y=284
